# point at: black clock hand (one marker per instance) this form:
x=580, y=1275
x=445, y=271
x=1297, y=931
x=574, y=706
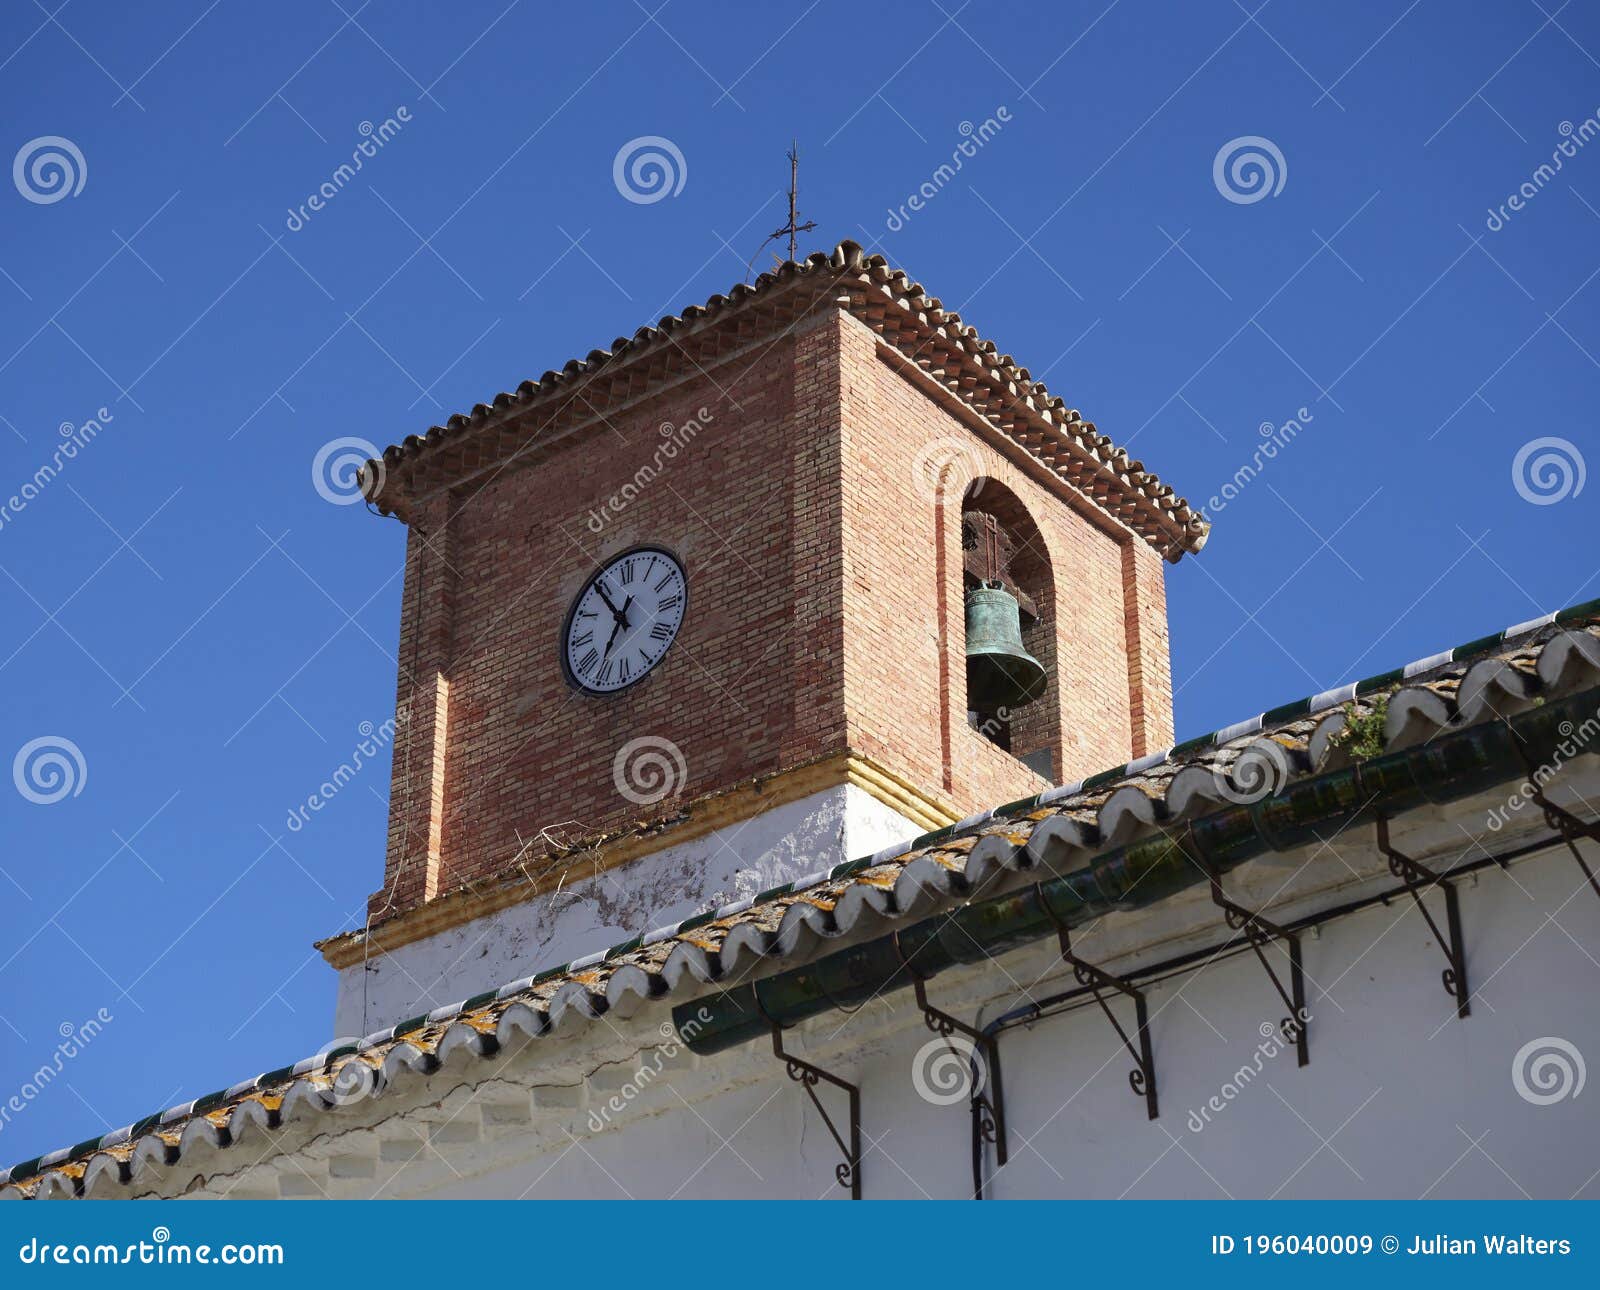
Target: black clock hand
x=601, y=588
x=622, y=621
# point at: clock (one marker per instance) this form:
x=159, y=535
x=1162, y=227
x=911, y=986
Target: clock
x=624, y=620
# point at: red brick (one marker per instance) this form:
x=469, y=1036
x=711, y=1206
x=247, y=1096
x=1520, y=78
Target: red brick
x=825, y=613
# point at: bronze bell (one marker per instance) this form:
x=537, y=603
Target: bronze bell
x=1000, y=672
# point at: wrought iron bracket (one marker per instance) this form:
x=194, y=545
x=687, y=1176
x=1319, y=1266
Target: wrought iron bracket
x=988, y=1095
x=807, y=1076
x=1418, y=878
x=1143, y=1075
x=1571, y=828
x=1260, y=932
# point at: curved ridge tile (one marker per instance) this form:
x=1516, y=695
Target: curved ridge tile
x=200, y=1132
x=1126, y=813
x=629, y=986
x=802, y=920
x=103, y=1175
x=248, y=1117
x=149, y=1152
x=859, y=895
x=1063, y=843
x=460, y=1036
x=1322, y=747
x=1061, y=829
x=687, y=960
x=1489, y=688
x=921, y=878
x=990, y=857
x=519, y=1018
x=1192, y=790
x=302, y=1098
x=55, y=1186
x=1415, y=715
x=1570, y=660
x=573, y=1001
x=861, y=902
x=403, y=1059
x=743, y=947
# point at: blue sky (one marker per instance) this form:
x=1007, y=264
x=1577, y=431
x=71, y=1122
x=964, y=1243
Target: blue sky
x=182, y=604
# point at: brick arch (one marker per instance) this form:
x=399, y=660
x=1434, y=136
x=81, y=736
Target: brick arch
x=1032, y=732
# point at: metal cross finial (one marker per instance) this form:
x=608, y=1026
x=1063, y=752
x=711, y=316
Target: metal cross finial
x=793, y=227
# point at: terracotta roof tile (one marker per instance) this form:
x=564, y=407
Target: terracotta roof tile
x=1556, y=654
x=901, y=312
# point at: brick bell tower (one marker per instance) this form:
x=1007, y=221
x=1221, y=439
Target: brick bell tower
x=690, y=617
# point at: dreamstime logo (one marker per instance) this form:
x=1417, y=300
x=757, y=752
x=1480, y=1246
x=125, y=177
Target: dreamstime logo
x=373, y=137
x=1274, y=439
x=1548, y=470
x=337, y=471
x=649, y=168
x=973, y=137
x=353, y=1081
x=49, y=768
x=648, y=769
x=74, y=439
x=1572, y=139
x=160, y=1250
x=1275, y=1039
x=946, y=1071
x=373, y=741
x=992, y=724
x=675, y=439
x=673, y=1039
x=1547, y=1070
x=1574, y=740
x=74, y=1039
x=1249, y=168
x=1261, y=770
x=951, y=455
x=49, y=168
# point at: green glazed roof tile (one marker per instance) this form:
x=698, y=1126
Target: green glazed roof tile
x=1083, y=886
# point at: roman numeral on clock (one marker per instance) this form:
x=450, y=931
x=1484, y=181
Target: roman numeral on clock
x=661, y=632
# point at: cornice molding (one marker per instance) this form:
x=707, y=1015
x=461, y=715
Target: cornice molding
x=705, y=815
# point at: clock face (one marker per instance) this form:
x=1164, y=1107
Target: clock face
x=624, y=620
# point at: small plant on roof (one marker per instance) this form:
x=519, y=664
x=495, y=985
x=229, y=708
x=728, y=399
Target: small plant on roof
x=1362, y=736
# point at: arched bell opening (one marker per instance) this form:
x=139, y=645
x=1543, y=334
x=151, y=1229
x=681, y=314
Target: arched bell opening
x=1010, y=606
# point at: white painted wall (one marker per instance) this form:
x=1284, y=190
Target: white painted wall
x=596, y=912
x=1411, y=1100
x=1401, y=1098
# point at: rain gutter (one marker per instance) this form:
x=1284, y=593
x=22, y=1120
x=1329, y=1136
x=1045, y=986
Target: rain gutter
x=1142, y=873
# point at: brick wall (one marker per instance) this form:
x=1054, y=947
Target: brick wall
x=825, y=612
x=904, y=604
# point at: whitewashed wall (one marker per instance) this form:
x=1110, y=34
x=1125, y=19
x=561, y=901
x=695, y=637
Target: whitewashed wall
x=1401, y=1097
x=1411, y=1100
x=594, y=912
